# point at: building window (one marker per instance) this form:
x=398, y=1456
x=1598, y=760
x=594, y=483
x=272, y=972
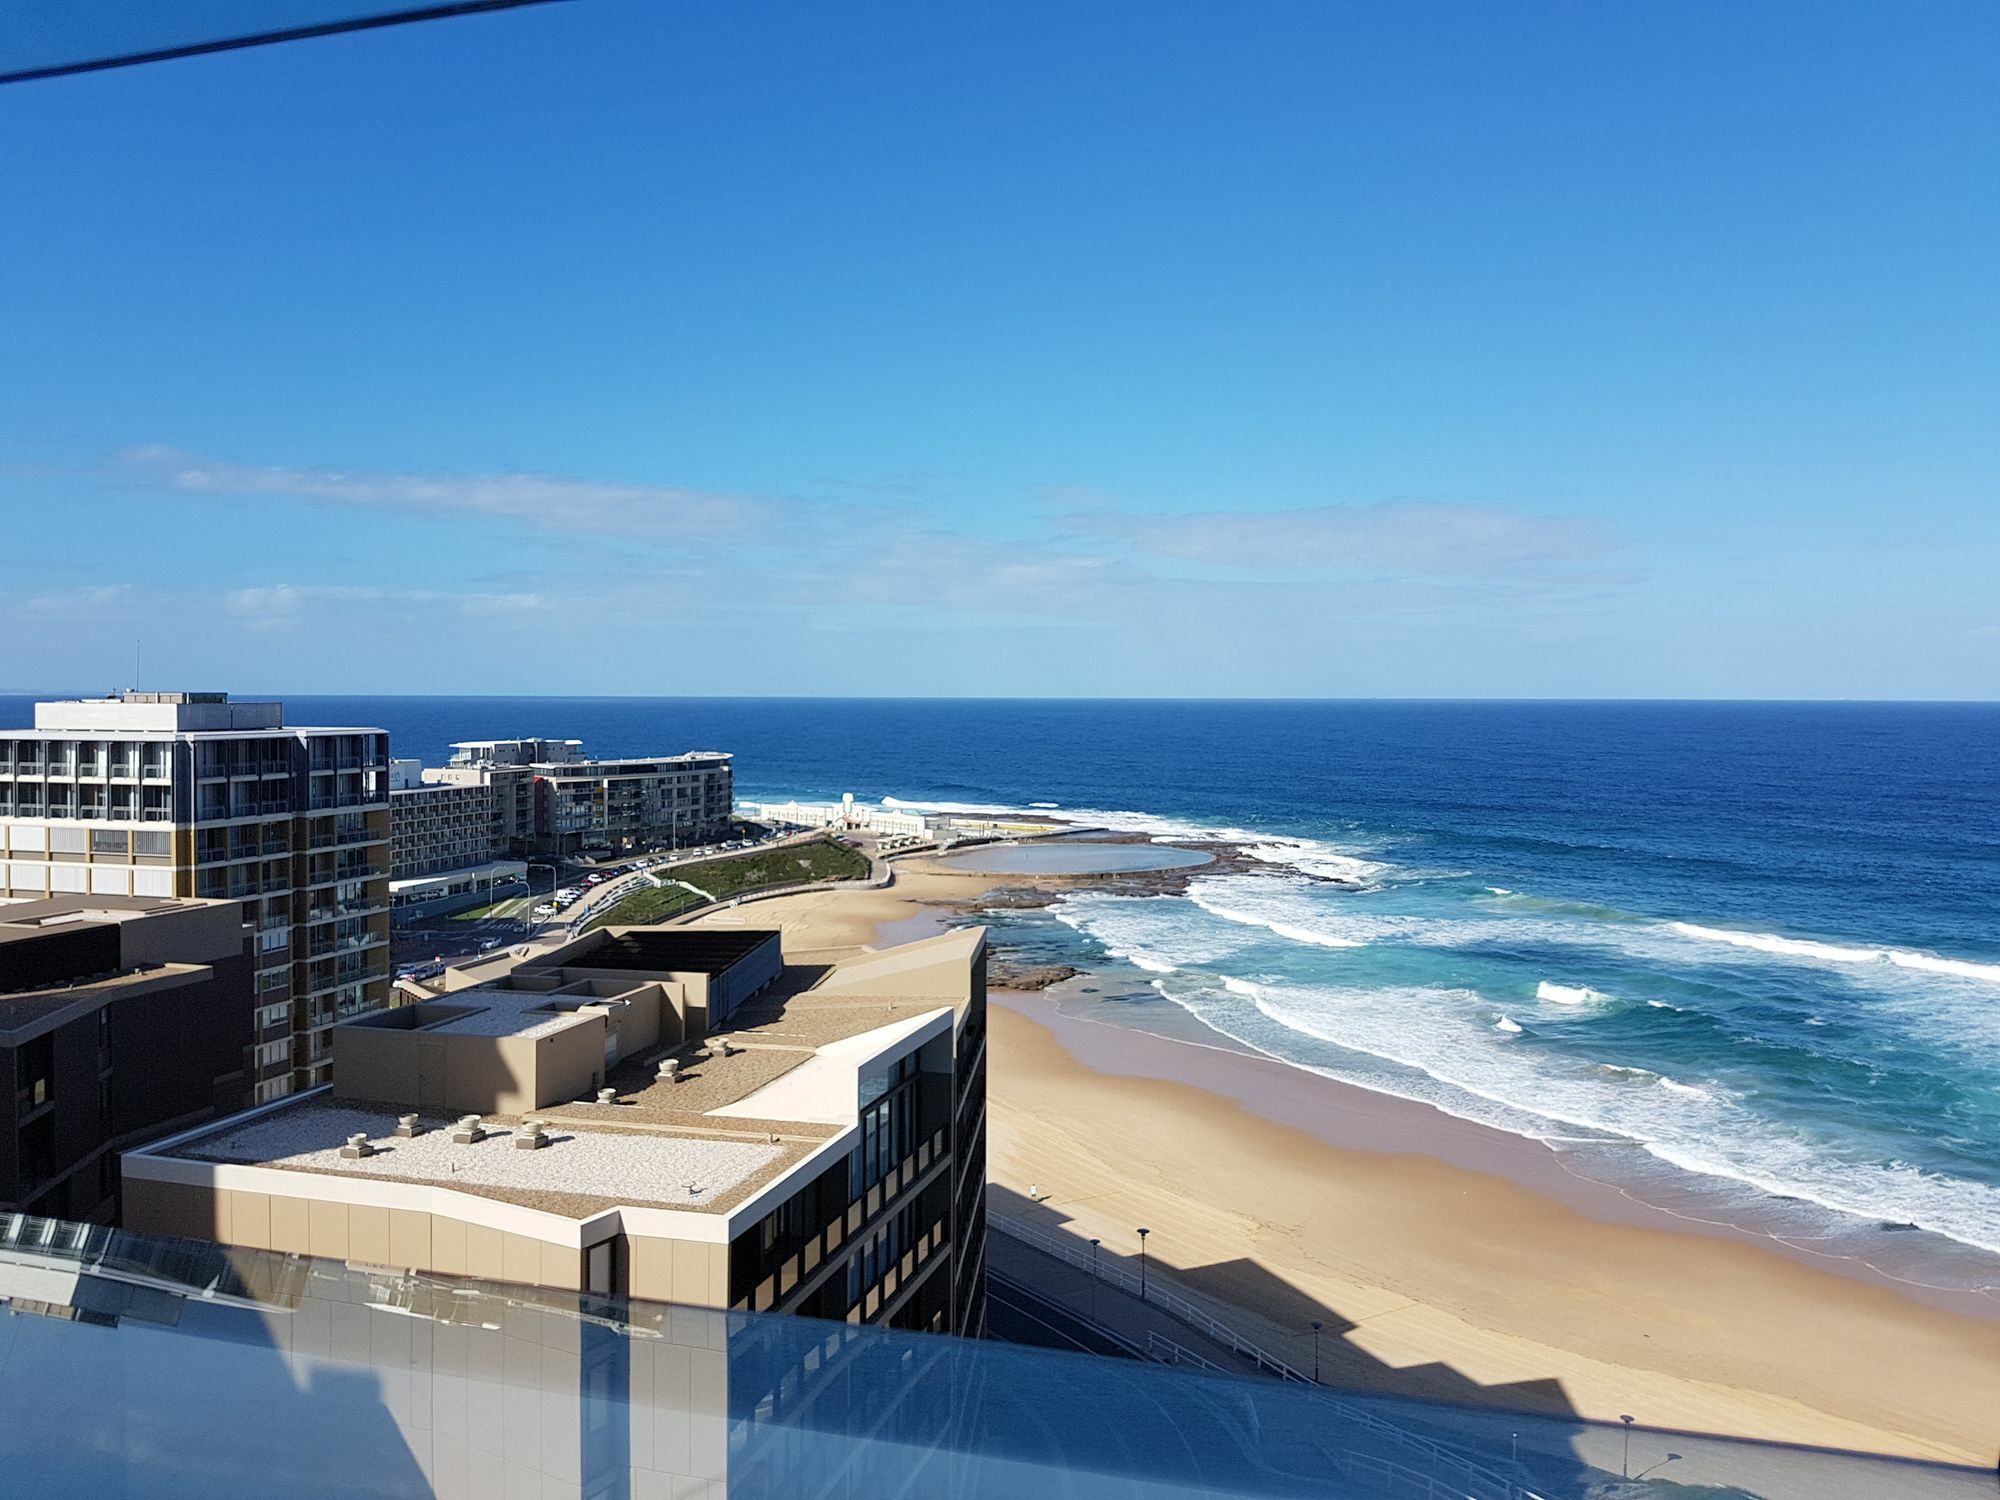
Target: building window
x=274, y=1088
x=34, y=1072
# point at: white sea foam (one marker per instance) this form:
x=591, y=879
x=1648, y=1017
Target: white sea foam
x=1475, y=1072
x=1569, y=994
x=1450, y=1048
x=1287, y=930
x=1498, y=890
x=1834, y=953
x=1675, y=1086
x=1317, y=858
x=1311, y=856
x=1140, y=929
x=1509, y=1025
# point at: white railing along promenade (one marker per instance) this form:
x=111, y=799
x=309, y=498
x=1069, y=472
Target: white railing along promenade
x=1106, y=1269
x=1462, y=1479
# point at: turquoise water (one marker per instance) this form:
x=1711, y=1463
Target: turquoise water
x=1742, y=957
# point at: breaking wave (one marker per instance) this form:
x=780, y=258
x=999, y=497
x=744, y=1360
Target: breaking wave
x=1569, y=994
x=1835, y=953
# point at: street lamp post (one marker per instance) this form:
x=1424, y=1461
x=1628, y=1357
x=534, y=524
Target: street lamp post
x=1671, y=1458
x=1093, y=1279
x=1625, y=1468
x=1142, y=1263
x=1317, y=1326
x=555, y=879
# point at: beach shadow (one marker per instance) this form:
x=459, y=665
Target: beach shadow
x=1433, y=1402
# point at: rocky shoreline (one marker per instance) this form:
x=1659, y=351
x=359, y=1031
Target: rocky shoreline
x=1029, y=893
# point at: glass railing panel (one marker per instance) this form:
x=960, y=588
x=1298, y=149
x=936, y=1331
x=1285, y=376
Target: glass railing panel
x=168, y=1367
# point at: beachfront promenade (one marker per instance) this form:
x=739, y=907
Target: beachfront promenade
x=1089, y=1303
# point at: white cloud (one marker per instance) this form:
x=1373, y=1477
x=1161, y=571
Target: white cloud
x=94, y=599
x=279, y=601
x=1399, y=536
x=545, y=501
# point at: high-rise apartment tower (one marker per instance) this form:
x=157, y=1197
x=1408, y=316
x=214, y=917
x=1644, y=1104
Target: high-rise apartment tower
x=190, y=794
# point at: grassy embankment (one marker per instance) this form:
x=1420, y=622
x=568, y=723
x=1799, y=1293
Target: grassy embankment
x=736, y=875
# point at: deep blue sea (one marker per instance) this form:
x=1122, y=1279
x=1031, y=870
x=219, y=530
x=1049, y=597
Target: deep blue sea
x=1745, y=957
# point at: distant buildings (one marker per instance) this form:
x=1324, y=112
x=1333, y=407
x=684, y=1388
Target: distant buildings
x=192, y=795
x=770, y=1137
x=511, y=800
x=847, y=813
x=120, y=1017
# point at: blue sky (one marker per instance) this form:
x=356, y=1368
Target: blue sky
x=1270, y=348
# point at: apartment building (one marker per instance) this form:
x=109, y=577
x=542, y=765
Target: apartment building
x=548, y=800
x=194, y=795
x=121, y=1017
x=440, y=826
x=678, y=1114
x=628, y=804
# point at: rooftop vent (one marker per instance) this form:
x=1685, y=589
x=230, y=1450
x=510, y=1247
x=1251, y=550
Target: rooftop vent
x=468, y=1131
x=408, y=1126
x=357, y=1147
x=532, y=1136
x=607, y=1096
x=670, y=1070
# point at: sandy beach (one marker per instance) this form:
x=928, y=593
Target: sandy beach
x=1446, y=1261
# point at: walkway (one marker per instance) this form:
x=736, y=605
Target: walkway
x=1134, y=1323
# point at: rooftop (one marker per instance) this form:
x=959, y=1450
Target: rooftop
x=709, y=1128
x=24, y=1008
x=671, y=950
x=672, y=1171
x=49, y=910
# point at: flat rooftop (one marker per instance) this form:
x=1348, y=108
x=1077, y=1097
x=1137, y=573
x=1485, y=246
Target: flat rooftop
x=615, y=1166
x=48, y=910
x=658, y=1137
x=22, y=1008
x=671, y=950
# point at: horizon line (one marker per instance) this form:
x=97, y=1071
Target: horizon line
x=48, y=695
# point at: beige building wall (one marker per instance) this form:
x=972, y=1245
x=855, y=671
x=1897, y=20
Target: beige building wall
x=448, y=1073
x=691, y=1273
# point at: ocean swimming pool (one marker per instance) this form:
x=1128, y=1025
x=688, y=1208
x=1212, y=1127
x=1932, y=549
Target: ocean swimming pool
x=1073, y=859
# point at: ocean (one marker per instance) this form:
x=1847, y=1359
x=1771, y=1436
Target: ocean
x=1743, y=959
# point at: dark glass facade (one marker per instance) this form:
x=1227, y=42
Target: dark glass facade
x=871, y=1238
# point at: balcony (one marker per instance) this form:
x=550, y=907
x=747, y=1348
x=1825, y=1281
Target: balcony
x=324, y=947
x=349, y=870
